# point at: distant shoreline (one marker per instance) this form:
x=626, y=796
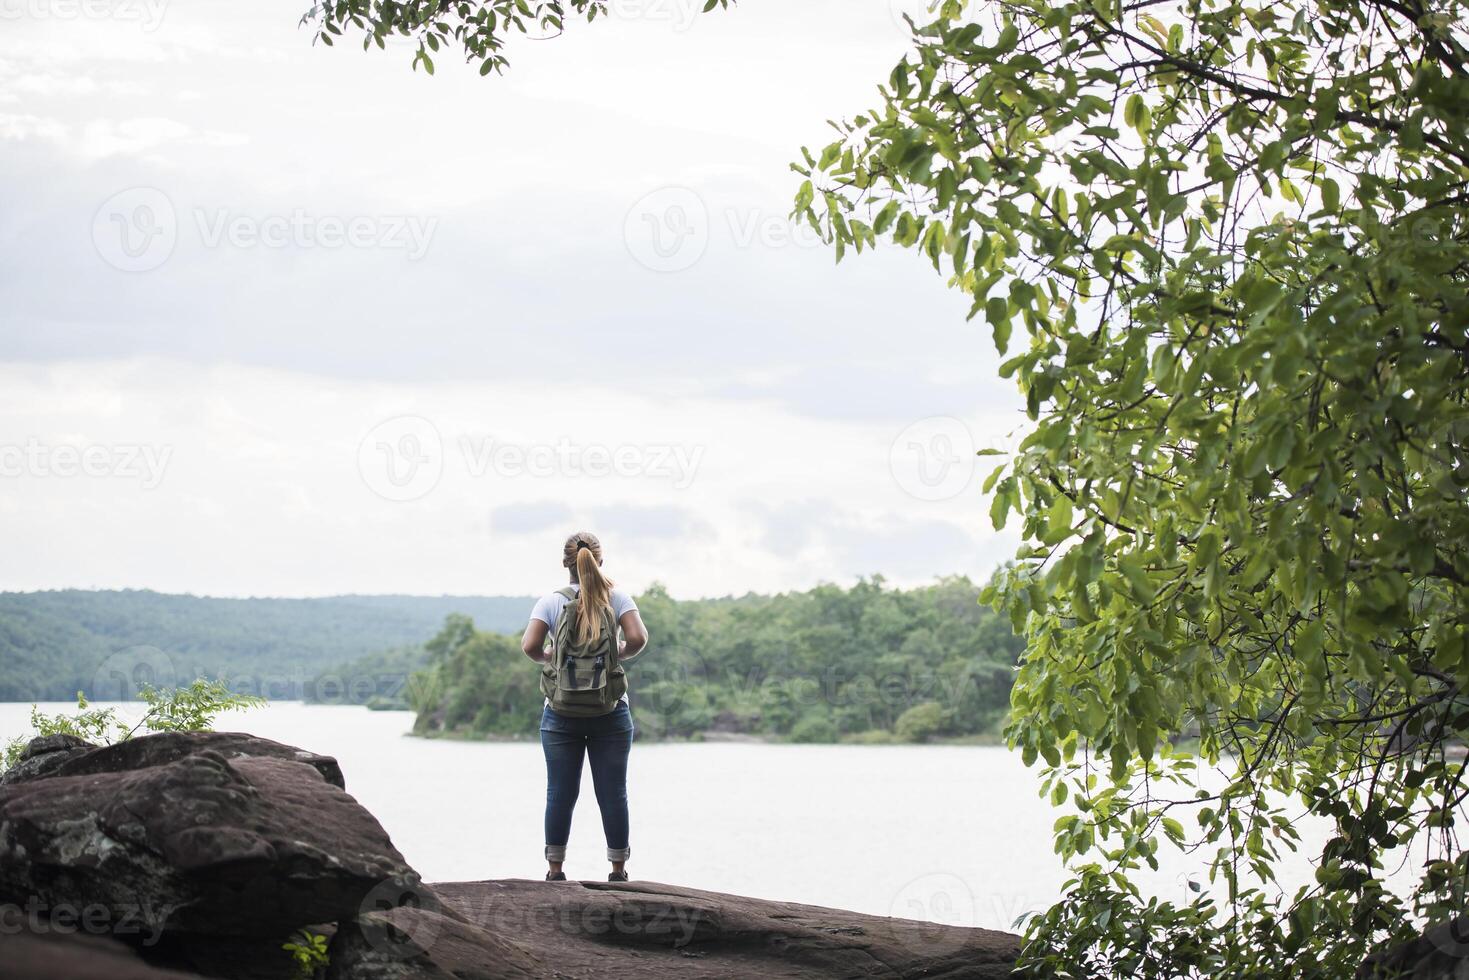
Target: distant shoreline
x=736, y=738
x=869, y=738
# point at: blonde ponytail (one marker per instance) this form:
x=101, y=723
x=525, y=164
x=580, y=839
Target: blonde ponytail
x=583, y=556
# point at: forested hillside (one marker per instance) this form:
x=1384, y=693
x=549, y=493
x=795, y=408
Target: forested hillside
x=867, y=663
x=53, y=644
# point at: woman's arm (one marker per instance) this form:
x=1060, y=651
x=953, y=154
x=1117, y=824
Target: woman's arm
x=634, y=633
x=533, y=643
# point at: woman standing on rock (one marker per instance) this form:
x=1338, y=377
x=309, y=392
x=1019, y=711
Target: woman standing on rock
x=586, y=712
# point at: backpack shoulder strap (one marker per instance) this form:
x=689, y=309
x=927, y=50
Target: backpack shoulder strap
x=569, y=594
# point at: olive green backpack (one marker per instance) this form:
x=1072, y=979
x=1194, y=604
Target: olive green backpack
x=583, y=680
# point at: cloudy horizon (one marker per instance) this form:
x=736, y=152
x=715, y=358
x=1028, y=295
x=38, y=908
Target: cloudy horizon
x=287, y=320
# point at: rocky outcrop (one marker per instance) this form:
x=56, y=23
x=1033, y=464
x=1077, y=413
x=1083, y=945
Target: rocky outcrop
x=431, y=942
x=66, y=956
x=574, y=930
x=222, y=835
x=66, y=755
x=43, y=756
x=204, y=852
x=1441, y=953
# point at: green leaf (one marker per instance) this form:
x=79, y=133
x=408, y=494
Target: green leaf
x=1058, y=520
x=997, y=311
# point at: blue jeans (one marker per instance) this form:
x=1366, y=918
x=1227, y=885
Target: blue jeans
x=607, y=741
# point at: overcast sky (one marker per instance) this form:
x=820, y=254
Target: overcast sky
x=278, y=319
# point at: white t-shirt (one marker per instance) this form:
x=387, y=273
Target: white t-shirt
x=548, y=610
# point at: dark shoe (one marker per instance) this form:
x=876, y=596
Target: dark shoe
x=617, y=876
x=555, y=875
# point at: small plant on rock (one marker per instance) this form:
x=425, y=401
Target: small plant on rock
x=182, y=709
x=308, y=954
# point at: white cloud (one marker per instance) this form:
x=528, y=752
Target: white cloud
x=104, y=137
x=271, y=482
x=18, y=127
x=264, y=367
x=48, y=84
x=98, y=139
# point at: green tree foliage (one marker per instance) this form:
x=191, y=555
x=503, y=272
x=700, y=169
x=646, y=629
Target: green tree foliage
x=815, y=666
x=816, y=725
x=53, y=644
x=479, y=29
x=1233, y=238
x=188, y=709
x=922, y=722
x=478, y=684
x=458, y=629
x=181, y=709
x=379, y=680
x=1234, y=235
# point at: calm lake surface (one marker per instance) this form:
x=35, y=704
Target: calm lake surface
x=945, y=833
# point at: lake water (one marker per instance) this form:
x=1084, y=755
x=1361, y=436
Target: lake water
x=945, y=833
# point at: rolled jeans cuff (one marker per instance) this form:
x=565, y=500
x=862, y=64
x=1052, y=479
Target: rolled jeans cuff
x=556, y=853
x=619, y=853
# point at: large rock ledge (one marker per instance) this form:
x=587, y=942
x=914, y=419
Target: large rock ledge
x=578, y=930
x=174, y=856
